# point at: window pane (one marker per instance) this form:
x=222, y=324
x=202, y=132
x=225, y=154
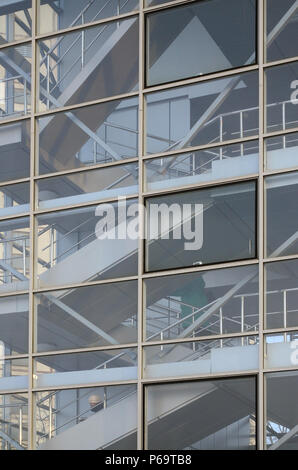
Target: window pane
x=15, y=75
x=281, y=213
x=281, y=85
x=201, y=227
x=14, y=419
x=281, y=350
x=88, y=186
x=203, y=165
x=14, y=199
x=281, y=29
x=281, y=151
x=80, y=419
x=204, y=415
x=83, y=368
x=84, y=65
x=281, y=294
x=213, y=111
x=14, y=325
x=72, y=247
x=14, y=254
x=86, y=317
x=203, y=36
x=15, y=20
x=15, y=151
x=282, y=414
x=13, y=374
x=100, y=134
x=202, y=304
x=202, y=357
x=57, y=14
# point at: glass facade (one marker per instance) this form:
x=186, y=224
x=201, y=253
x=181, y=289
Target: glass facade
x=148, y=224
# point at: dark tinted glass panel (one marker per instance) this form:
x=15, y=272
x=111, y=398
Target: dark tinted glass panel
x=205, y=415
x=201, y=227
x=206, y=36
x=282, y=24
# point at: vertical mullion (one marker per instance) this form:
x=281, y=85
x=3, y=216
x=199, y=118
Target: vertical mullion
x=260, y=401
x=31, y=236
x=140, y=397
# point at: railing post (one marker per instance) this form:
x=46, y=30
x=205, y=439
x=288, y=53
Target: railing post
x=50, y=417
x=242, y=318
x=20, y=426
x=220, y=325
x=284, y=123
x=24, y=257
x=51, y=247
x=285, y=308
x=25, y=96
x=241, y=133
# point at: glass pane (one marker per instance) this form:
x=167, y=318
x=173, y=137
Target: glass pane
x=14, y=325
x=203, y=36
x=281, y=86
x=15, y=20
x=281, y=350
x=101, y=133
x=213, y=111
x=281, y=214
x=13, y=374
x=282, y=23
x=15, y=79
x=14, y=421
x=83, y=245
x=178, y=225
x=89, y=64
x=281, y=294
x=83, y=368
x=201, y=304
x=88, y=186
x=14, y=199
x=14, y=254
x=80, y=419
x=87, y=316
x=202, y=357
x=204, y=415
x=281, y=151
x=57, y=14
x=282, y=414
x=201, y=166
x=15, y=151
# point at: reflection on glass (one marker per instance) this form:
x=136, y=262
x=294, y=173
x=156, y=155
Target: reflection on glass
x=202, y=165
x=14, y=421
x=202, y=357
x=281, y=294
x=88, y=186
x=14, y=254
x=14, y=199
x=85, y=65
x=207, y=303
x=203, y=36
x=86, y=316
x=281, y=214
x=83, y=368
x=281, y=350
x=282, y=23
x=86, y=244
x=202, y=415
x=213, y=111
x=201, y=227
x=15, y=20
x=15, y=151
x=281, y=99
x=57, y=14
x=281, y=151
x=14, y=325
x=13, y=374
x=282, y=412
x=97, y=134
x=15, y=80
x=80, y=419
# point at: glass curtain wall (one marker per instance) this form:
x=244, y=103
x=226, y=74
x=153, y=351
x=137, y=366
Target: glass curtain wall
x=148, y=224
